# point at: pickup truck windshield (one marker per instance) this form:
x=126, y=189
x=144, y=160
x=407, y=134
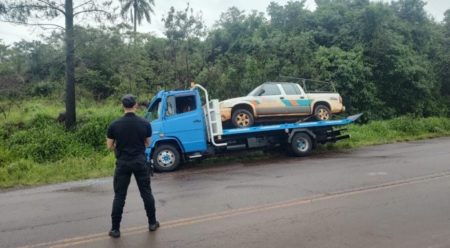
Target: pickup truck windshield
x=255, y=91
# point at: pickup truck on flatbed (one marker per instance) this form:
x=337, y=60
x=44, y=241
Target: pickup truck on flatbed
x=280, y=101
x=183, y=130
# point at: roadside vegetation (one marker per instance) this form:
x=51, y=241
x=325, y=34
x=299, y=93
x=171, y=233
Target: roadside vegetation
x=406, y=128
x=388, y=60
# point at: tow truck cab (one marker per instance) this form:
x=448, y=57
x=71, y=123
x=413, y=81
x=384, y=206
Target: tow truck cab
x=177, y=119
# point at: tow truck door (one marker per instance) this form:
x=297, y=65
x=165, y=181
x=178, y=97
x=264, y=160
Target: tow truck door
x=183, y=119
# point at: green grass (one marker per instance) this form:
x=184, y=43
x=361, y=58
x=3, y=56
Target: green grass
x=24, y=172
x=395, y=130
x=35, y=149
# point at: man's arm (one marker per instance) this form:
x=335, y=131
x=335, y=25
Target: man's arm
x=111, y=144
x=148, y=140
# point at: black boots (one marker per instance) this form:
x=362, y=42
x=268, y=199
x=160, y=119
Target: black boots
x=153, y=227
x=115, y=233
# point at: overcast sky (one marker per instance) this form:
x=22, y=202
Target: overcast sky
x=211, y=10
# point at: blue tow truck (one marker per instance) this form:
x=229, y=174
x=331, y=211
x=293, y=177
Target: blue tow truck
x=183, y=128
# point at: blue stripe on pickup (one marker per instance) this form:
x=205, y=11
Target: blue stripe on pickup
x=301, y=102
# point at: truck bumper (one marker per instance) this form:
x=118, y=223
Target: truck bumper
x=337, y=108
x=225, y=114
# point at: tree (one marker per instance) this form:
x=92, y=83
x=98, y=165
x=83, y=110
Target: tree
x=38, y=12
x=443, y=58
x=138, y=10
x=351, y=75
x=182, y=29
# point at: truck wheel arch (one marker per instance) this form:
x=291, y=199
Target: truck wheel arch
x=301, y=130
x=247, y=106
x=171, y=146
x=174, y=142
x=314, y=105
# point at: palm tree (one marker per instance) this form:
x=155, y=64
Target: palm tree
x=138, y=10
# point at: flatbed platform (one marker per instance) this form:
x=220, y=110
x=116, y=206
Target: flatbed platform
x=289, y=126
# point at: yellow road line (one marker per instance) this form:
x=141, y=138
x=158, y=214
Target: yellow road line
x=241, y=211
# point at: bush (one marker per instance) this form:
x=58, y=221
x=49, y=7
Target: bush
x=42, y=120
x=40, y=144
x=407, y=125
x=5, y=156
x=93, y=130
x=43, y=89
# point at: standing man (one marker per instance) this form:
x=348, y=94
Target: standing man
x=127, y=137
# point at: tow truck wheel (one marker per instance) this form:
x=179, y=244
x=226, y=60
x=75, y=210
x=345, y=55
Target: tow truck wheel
x=322, y=112
x=242, y=118
x=301, y=144
x=166, y=158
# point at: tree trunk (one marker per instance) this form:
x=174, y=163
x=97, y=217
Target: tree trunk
x=135, y=18
x=70, y=67
x=188, y=73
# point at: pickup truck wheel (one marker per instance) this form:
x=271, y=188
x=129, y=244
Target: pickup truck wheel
x=301, y=144
x=166, y=158
x=322, y=112
x=242, y=118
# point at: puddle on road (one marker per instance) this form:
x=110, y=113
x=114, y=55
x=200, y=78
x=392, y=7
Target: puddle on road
x=99, y=187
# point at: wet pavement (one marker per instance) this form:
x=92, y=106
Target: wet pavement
x=382, y=196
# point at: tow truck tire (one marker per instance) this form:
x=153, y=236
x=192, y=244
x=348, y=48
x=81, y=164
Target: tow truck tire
x=166, y=158
x=322, y=112
x=301, y=144
x=242, y=118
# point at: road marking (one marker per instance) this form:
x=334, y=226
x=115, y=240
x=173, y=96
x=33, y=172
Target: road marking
x=241, y=211
x=377, y=173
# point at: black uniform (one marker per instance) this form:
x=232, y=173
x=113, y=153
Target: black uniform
x=129, y=133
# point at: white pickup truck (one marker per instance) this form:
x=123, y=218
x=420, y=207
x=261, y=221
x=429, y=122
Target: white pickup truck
x=279, y=100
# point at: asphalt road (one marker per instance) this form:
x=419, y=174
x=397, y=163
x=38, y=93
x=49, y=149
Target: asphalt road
x=394, y=195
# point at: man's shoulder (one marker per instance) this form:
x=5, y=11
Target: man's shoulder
x=144, y=121
x=116, y=121
x=134, y=118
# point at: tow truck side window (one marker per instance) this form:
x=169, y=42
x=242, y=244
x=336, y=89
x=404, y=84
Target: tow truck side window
x=180, y=104
x=185, y=104
x=170, y=109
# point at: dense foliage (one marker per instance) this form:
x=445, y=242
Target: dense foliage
x=385, y=59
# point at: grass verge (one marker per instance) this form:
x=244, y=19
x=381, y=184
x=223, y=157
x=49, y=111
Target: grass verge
x=394, y=130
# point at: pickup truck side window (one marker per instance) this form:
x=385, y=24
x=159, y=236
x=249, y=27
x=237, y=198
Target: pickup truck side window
x=270, y=90
x=291, y=89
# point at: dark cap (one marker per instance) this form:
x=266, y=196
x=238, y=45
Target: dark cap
x=128, y=101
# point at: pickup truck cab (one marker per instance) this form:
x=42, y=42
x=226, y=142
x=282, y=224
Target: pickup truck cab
x=279, y=100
